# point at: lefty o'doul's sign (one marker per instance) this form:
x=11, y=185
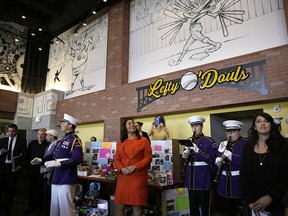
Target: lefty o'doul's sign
x=235, y=77
x=190, y=80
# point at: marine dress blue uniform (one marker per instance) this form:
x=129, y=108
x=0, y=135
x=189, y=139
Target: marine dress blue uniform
x=68, y=151
x=198, y=174
x=229, y=179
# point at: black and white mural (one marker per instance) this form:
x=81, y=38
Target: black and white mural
x=171, y=35
x=78, y=66
x=12, y=54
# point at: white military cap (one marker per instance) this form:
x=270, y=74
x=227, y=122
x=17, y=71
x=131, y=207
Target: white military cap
x=52, y=132
x=232, y=124
x=277, y=120
x=195, y=120
x=70, y=119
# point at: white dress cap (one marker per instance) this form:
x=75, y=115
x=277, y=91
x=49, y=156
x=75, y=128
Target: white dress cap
x=277, y=120
x=195, y=120
x=70, y=119
x=52, y=132
x=232, y=124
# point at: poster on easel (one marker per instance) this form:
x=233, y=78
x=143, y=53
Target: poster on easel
x=165, y=160
x=98, y=153
x=175, y=202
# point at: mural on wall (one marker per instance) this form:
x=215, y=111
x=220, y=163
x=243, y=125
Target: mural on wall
x=12, y=51
x=172, y=35
x=78, y=66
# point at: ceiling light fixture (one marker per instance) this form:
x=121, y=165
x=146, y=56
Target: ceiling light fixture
x=23, y=17
x=94, y=12
x=40, y=49
x=84, y=24
x=104, y=0
x=40, y=29
x=33, y=34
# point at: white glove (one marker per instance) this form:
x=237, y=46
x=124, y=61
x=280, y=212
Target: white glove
x=195, y=148
x=218, y=161
x=36, y=161
x=186, y=153
x=52, y=163
x=228, y=154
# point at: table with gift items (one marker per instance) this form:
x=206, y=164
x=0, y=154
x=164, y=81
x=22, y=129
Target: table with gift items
x=97, y=177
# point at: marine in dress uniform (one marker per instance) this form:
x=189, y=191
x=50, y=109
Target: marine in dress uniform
x=198, y=173
x=228, y=160
x=65, y=158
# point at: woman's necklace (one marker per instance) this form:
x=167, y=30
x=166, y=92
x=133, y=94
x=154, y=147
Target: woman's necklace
x=262, y=159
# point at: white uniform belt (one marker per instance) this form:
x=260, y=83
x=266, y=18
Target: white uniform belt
x=232, y=173
x=62, y=159
x=198, y=163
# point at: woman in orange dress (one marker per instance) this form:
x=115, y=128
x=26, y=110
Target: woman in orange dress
x=133, y=155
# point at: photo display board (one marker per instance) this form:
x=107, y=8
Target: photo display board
x=98, y=153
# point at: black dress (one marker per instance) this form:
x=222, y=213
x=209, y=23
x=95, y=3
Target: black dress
x=264, y=174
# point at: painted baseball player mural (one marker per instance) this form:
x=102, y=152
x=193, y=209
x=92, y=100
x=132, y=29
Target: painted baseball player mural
x=79, y=56
x=192, y=11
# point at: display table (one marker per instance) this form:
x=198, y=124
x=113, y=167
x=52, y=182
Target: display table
x=108, y=188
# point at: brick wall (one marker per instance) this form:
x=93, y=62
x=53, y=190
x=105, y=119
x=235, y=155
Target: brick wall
x=8, y=104
x=119, y=99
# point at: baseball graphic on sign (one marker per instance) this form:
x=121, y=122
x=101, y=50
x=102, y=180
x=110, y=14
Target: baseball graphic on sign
x=189, y=81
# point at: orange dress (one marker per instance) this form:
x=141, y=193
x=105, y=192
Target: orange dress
x=132, y=189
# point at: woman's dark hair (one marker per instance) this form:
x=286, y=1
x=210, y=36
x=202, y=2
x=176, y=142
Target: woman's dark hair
x=124, y=134
x=275, y=140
